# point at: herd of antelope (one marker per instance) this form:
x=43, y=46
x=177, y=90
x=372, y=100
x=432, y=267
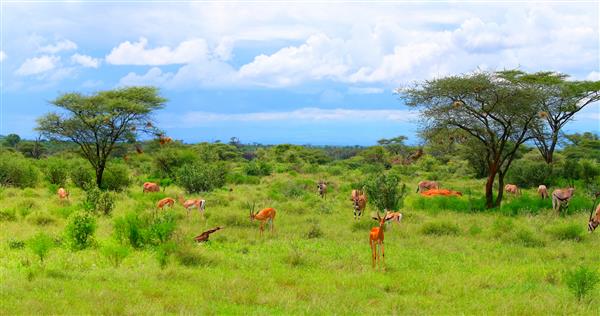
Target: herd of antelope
x=560, y=199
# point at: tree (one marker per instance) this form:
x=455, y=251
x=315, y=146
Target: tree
x=99, y=121
x=560, y=99
x=395, y=145
x=12, y=140
x=495, y=112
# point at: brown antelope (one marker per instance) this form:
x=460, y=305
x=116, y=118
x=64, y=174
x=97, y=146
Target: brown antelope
x=512, y=189
x=394, y=217
x=151, y=187
x=204, y=236
x=376, y=240
x=322, y=188
x=543, y=191
x=441, y=192
x=163, y=140
x=561, y=197
x=427, y=185
x=594, y=219
x=193, y=204
x=63, y=194
x=359, y=202
x=165, y=202
x=265, y=215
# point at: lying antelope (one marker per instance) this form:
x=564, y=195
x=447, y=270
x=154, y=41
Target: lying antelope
x=63, y=194
x=427, y=185
x=165, y=202
x=376, y=240
x=441, y=192
x=322, y=188
x=394, y=217
x=193, y=204
x=151, y=187
x=594, y=219
x=205, y=235
x=265, y=215
x=543, y=191
x=359, y=201
x=561, y=197
x=512, y=189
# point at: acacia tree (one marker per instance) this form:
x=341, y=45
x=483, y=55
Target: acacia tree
x=559, y=100
x=99, y=121
x=495, y=112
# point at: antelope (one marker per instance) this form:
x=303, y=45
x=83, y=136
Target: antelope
x=204, y=236
x=375, y=239
x=512, y=189
x=265, y=215
x=594, y=219
x=560, y=197
x=359, y=201
x=395, y=217
x=63, y=194
x=543, y=191
x=193, y=204
x=322, y=188
x=163, y=140
x=165, y=202
x=151, y=187
x=442, y=192
x=427, y=185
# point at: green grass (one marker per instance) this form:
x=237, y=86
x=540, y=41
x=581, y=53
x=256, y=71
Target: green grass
x=441, y=260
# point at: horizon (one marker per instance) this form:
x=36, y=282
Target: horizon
x=305, y=74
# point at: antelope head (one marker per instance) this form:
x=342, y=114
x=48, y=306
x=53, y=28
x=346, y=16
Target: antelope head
x=252, y=214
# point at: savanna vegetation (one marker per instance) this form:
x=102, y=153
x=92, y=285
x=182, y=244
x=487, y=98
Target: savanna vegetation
x=107, y=249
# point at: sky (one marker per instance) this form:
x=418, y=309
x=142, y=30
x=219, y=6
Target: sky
x=282, y=72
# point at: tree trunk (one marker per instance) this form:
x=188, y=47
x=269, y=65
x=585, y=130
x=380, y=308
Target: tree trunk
x=500, y=189
x=99, y=173
x=489, y=189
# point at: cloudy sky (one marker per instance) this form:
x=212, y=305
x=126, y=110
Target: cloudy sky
x=270, y=72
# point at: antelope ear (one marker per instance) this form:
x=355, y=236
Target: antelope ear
x=375, y=218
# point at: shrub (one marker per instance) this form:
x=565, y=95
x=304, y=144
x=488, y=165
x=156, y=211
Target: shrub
x=383, y=191
x=16, y=244
x=80, y=229
x=167, y=160
x=163, y=252
x=239, y=178
x=527, y=173
x=582, y=281
x=17, y=171
x=314, y=231
x=115, y=253
x=258, y=168
x=162, y=227
x=98, y=201
x=573, y=232
x=40, y=245
x=440, y=229
x=116, y=178
x=199, y=177
x=55, y=171
x=130, y=229
x=82, y=175
x=41, y=219
x=8, y=215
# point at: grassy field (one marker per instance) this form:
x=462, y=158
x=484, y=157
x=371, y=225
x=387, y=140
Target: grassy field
x=438, y=261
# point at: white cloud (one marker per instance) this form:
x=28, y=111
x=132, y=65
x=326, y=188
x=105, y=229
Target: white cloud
x=63, y=45
x=594, y=75
x=2, y=56
x=38, y=65
x=85, y=61
x=365, y=90
x=154, y=76
x=136, y=53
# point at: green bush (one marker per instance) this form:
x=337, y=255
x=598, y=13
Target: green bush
x=384, y=192
x=163, y=253
x=130, y=229
x=582, y=281
x=440, y=229
x=81, y=174
x=80, y=230
x=98, y=201
x=55, y=171
x=167, y=160
x=573, y=232
x=314, y=231
x=199, y=177
x=140, y=231
x=527, y=173
x=14, y=243
x=115, y=253
x=524, y=204
x=17, y=171
x=162, y=227
x=40, y=219
x=40, y=245
x=8, y=215
x=116, y=178
x=239, y=178
x=258, y=168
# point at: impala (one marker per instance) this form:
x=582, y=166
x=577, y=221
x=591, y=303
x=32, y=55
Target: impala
x=427, y=185
x=322, y=188
x=543, y=191
x=165, y=202
x=265, y=215
x=561, y=197
x=594, y=219
x=376, y=241
x=63, y=194
x=512, y=189
x=193, y=204
x=151, y=187
x=394, y=217
x=359, y=201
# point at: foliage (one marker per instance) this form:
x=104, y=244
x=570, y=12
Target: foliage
x=440, y=228
x=200, y=177
x=258, y=168
x=40, y=245
x=582, y=281
x=527, y=173
x=80, y=230
x=167, y=160
x=115, y=253
x=116, y=178
x=40, y=219
x=9, y=215
x=12, y=140
x=55, y=171
x=163, y=252
x=139, y=231
x=17, y=171
x=81, y=174
x=98, y=201
x=384, y=192
x=582, y=146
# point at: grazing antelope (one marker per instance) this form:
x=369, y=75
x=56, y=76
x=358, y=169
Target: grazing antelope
x=322, y=188
x=512, y=189
x=543, y=191
x=193, y=204
x=359, y=202
x=594, y=219
x=265, y=215
x=151, y=187
x=204, y=236
x=376, y=240
x=394, y=217
x=441, y=192
x=63, y=194
x=163, y=140
x=427, y=185
x=165, y=202
x=561, y=197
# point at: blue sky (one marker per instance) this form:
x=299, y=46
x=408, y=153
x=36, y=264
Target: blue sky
x=282, y=73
